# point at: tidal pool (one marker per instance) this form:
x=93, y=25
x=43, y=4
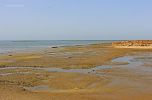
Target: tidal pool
x=135, y=64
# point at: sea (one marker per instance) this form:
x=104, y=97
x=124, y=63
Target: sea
x=8, y=46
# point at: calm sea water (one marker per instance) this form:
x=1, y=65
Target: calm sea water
x=11, y=46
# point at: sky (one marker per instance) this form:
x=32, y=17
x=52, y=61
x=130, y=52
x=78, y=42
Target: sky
x=75, y=19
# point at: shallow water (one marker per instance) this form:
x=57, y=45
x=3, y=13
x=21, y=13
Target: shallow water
x=135, y=64
x=38, y=88
x=12, y=46
x=132, y=61
x=123, y=59
x=7, y=74
x=83, y=71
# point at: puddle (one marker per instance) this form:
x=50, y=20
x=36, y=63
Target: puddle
x=6, y=74
x=131, y=60
x=133, y=64
x=41, y=88
x=83, y=71
x=3, y=68
x=45, y=88
x=136, y=62
x=127, y=59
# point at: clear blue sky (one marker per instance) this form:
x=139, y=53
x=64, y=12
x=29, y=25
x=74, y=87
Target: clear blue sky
x=75, y=19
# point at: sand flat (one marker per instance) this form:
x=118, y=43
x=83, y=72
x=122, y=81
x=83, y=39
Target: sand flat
x=77, y=75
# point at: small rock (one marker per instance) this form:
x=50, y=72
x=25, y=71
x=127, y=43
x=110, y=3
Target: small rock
x=55, y=47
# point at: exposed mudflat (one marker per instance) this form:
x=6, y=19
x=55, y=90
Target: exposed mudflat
x=95, y=72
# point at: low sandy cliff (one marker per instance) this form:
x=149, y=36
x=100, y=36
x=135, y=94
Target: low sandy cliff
x=133, y=44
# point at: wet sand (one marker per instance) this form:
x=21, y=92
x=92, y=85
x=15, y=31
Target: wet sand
x=88, y=72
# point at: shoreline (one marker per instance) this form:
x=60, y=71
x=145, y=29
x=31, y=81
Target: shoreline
x=30, y=50
x=76, y=56
x=42, y=44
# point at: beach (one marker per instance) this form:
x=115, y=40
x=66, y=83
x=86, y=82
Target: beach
x=77, y=72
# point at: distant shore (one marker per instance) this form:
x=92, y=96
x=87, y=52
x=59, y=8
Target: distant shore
x=141, y=44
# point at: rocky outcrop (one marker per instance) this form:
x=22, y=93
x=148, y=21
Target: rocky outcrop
x=133, y=44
